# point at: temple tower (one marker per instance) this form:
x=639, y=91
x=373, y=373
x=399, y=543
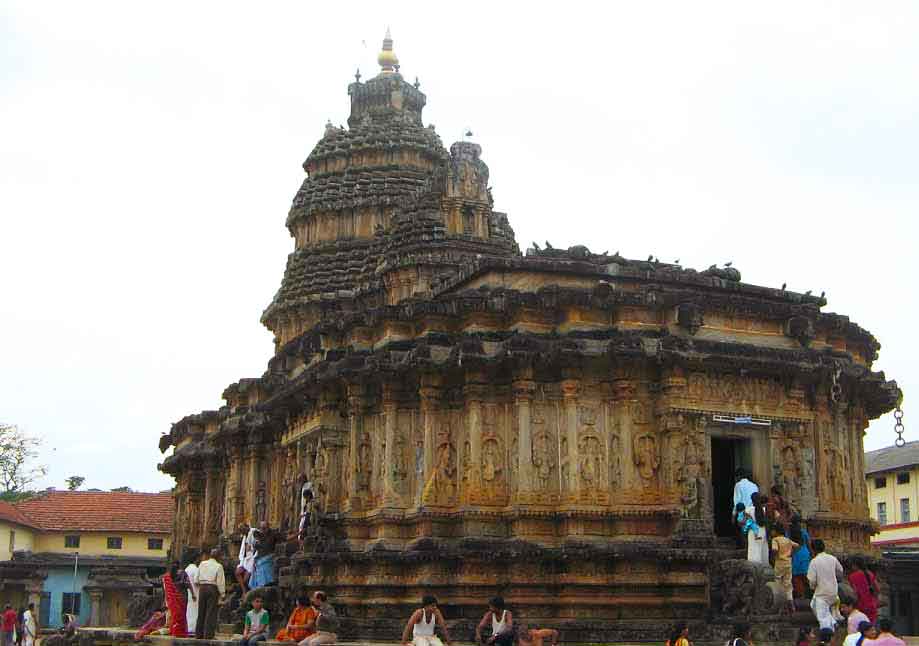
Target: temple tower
x=384, y=208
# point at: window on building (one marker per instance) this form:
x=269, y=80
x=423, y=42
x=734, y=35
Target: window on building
x=71, y=541
x=880, y=483
x=154, y=543
x=882, y=513
x=12, y=541
x=903, y=478
x=904, y=510
x=70, y=603
x=114, y=542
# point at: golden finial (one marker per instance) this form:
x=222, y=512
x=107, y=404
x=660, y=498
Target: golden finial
x=387, y=58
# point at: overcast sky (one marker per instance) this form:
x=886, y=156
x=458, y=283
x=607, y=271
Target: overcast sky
x=149, y=153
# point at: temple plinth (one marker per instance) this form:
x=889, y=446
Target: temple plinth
x=560, y=427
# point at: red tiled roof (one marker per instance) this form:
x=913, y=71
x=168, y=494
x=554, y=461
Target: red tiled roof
x=90, y=511
x=10, y=514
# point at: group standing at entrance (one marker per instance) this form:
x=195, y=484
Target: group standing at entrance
x=774, y=533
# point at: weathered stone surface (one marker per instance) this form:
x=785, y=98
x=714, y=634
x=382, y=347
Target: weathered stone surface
x=476, y=422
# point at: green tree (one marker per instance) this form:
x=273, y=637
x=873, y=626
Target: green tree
x=18, y=471
x=123, y=490
x=74, y=482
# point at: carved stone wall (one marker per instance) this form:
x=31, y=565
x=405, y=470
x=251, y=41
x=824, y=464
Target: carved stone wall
x=538, y=426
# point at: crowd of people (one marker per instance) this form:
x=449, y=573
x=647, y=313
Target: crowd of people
x=773, y=530
x=774, y=533
x=18, y=628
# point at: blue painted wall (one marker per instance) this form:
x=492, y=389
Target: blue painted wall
x=61, y=580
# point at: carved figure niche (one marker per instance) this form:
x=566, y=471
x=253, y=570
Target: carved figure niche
x=544, y=456
x=440, y=489
x=494, y=462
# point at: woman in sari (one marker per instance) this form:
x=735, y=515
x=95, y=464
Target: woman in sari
x=302, y=622
x=866, y=587
x=175, y=602
x=154, y=623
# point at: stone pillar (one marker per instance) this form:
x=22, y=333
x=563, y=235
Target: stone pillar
x=430, y=400
x=623, y=470
x=291, y=505
x=570, y=389
x=355, y=433
x=390, y=412
x=255, y=459
x=212, y=502
x=95, y=615
x=474, y=392
x=234, y=474
x=524, y=388
x=33, y=591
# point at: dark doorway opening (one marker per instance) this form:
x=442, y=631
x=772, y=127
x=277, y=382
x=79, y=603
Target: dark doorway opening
x=728, y=455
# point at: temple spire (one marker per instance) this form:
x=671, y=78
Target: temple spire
x=387, y=59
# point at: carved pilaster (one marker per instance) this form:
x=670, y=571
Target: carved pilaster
x=390, y=420
x=212, y=498
x=252, y=485
x=95, y=611
x=523, y=397
x=570, y=388
x=356, y=406
x=475, y=393
x=234, y=514
x=430, y=393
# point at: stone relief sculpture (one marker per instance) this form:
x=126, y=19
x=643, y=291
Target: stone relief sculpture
x=791, y=474
x=590, y=456
x=566, y=467
x=364, y=463
x=440, y=488
x=615, y=456
x=261, y=506
x=690, y=478
x=647, y=458
x=543, y=462
x=399, y=465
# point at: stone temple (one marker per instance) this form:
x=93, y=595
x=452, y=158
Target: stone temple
x=560, y=427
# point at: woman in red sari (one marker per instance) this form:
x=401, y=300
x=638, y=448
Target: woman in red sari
x=866, y=587
x=175, y=602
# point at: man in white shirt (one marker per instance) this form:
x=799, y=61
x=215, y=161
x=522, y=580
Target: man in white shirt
x=743, y=490
x=824, y=574
x=246, y=557
x=211, y=589
x=29, y=626
x=191, y=605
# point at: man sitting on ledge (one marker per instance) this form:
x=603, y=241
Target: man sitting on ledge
x=422, y=624
x=257, y=620
x=326, y=622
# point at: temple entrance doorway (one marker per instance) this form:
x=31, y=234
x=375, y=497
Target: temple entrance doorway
x=728, y=455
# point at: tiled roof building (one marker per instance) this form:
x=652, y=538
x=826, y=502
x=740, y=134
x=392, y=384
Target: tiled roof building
x=100, y=511
x=86, y=552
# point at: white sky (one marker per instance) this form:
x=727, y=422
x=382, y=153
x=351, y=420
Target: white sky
x=149, y=153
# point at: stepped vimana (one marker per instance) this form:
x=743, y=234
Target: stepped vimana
x=559, y=427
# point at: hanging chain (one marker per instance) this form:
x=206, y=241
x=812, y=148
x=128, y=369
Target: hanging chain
x=898, y=426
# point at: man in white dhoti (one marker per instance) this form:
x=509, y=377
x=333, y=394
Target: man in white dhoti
x=29, y=626
x=246, y=557
x=191, y=604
